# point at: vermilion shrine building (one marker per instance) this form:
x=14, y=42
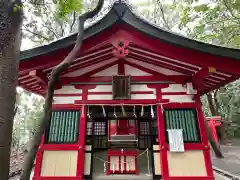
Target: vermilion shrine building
x=129, y=104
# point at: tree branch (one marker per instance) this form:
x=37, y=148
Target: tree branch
x=36, y=34
x=163, y=16
x=74, y=21
x=57, y=70
x=51, y=30
x=230, y=10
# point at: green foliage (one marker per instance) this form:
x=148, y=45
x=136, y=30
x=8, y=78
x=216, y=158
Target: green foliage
x=185, y=17
x=65, y=7
x=229, y=99
x=201, y=8
x=26, y=121
x=216, y=22
x=17, y=7
x=47, y=22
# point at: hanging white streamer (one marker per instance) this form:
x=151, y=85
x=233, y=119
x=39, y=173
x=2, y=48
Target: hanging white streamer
x=104, y=112
x=162, y=107
x=104, y=167
x=127, y=161
x=152, y=112
x=122, y=166
x=114, y=112
x=88, y=114
x=148, y=163
x=134, y=112
x=142, y=111
x=123, y=110
x=113, y=168
x=127, y=167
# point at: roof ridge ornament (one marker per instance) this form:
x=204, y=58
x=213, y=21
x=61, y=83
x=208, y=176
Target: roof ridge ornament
x=120, y=48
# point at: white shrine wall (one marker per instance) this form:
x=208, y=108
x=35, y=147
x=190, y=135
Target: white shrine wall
x=137, y=92
x=175, y=93
x=67, y=95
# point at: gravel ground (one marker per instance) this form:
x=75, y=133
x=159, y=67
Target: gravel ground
x=220, y=177
x=231, y=160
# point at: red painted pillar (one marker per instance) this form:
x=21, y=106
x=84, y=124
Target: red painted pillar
x=162, y=143
x=211, y=124
x=81, y=139
x=39, y=158
x=161, y=130
x=204, y=138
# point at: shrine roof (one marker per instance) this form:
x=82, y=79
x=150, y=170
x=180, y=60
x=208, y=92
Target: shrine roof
x=187, y=57
x=121, y=12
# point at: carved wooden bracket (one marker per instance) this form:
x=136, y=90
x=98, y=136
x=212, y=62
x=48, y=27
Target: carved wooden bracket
x=120, y=50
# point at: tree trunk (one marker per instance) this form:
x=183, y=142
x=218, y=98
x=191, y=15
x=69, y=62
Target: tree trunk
x=213, y=143
x=214, y=112
x=222, y=128
x=211, y=104
x=29, y=160
x=217, y=105
x=10, y=38
x=222, y=131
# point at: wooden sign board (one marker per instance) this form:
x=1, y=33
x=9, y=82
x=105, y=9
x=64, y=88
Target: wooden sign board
x=176, y=143
x=121, y=85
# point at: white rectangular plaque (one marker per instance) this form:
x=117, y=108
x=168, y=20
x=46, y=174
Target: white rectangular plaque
x=175, y=137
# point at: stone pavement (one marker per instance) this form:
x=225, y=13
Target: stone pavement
x=231, y=160
x=220, y=177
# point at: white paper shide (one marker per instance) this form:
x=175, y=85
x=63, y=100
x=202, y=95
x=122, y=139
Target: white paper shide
x=176, y=143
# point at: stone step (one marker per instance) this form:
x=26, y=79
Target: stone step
x=129, y=137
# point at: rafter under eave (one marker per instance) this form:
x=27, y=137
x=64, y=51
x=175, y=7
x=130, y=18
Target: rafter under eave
x=198, y=78
x=40, y=77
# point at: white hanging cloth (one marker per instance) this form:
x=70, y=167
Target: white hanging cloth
x=114, y=112
x=142, y=111
x=152, y=112
x=127, y=166
x=104, y=112
x=148, y=162
x=123, y=111
x=134, y=112
x=105, y=169
x=88, y=113
x=113, y=168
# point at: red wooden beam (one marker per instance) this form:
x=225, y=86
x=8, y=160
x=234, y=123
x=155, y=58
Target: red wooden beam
x=95, y=55
x=162, y=65
x=165, y=60
x=88, y=63
x=98, y=54
x=198, y=78
x=40, y=77
x=87, y=74
x=154, y=73
x=83, y=79
x=187, y=55
x=111, y=102
x=190, y=56
x=29, y=80
x=55, y=57
x=121, y=67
